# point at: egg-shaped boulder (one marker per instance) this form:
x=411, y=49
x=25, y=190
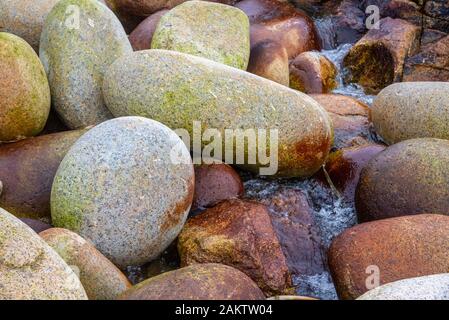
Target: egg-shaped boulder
x=127, y=186
x=183, y=91
x=80, y=39
x=24, y=90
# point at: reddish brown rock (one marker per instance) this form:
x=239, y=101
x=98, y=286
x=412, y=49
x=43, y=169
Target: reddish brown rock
x=345, y=165
x=399, y=248
x=128, y=21
x=197, y=282
x=349, y=119
x=409, y=177
x=142, y=35
x=36, y=225
x=269, y=59
x=239, y=234
x=377, y=60
x=27, y=169
x=214, y=183
x=311, y=72
x=280, y=22
x=430, y=64
x=297, y=231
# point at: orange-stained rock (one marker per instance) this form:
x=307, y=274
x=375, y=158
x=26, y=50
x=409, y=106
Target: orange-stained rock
x=101, y=279
x=142, y=35
x=280, y=22
x=349, y=119
x=377, y=60
x=239, y=234
x=312, y=72
x=269, y=59
x=399, y=248
x=197, y=282
x=214, y=183
x=345, y=165
x=27, y=169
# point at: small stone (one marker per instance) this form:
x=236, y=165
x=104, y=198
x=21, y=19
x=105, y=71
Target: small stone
x=142, y=35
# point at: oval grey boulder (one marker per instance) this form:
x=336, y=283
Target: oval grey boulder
x=80, y=39
x=411, y=110
x=178, y=89
x=30, y=269
x=433, y=287
x=121, y=187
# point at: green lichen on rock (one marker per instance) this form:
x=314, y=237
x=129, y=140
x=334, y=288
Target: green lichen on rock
x=24, y=90
x=30, y=269
x=80, y=39
x=177, y=89
x=211, y=30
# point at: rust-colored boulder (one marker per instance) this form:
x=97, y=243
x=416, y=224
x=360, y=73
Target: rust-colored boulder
x=312, y=72
x=349, y=119
x=27, y=169
x=269, y=59
x=377, y=60
x=239, y=234
x=214, y=183
x=101, y=279
x=197, y=282
x=392, y=249
x=142, y=35
x=280, y=22
x=410, y=177
x=345, y=165
x=430, y=64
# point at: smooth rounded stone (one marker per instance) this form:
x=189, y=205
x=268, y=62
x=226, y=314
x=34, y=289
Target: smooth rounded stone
x=128, y=21
x=209, y=281
x=214, y=183
x=280, y=22
x=144, y=8
x=388, y=250
x=210, y=30
x=312, y=72
x=410, y=110
x=377, y=60
x=410, y=177
x=24, y=90
x=237, y=233
x=269, y=59
x=142, y=35
x=121, y=187
x=80, y=39
x=25, y=18
x=30, y=269
x=345, y=165
x=178, y=90
x=101, y=279
x=433, y=287
x=27, y=170
x=350, y=119
x=36, y=225
x=430, y=64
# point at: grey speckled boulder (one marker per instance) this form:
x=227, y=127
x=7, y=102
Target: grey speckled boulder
x=30, y=269
x=434, y=287
x=100, y=278
x=211, y=30
x=24, y=90
x=119, y=188
x=410, y=110
x=178, y=89
x=75, y=53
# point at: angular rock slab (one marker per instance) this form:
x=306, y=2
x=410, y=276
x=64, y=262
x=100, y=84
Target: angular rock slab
x=24, y=90
x=434, y=287
x=178, y=89
x=120, y=188
x=210, y=30
x=411, y=110
x=30, y=269
x=80, y=39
